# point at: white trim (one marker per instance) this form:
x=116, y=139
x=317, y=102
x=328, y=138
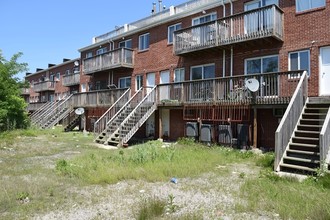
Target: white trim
x=198, y=18
x=175, y=29
x=260, y=57
x=139, y=45
x=203, y=66
x=309, y=60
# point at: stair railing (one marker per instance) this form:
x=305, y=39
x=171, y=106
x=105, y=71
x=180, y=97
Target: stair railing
x=39, y=118
x=150, y=98
x=101, y=124
x=325, y=143
x=55, y=112
x=134, y=99
x=69, y=118
x=290, y=119
x=39, y=110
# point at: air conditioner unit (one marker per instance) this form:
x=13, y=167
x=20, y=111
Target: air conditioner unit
x=191, y=129
x=206, y=133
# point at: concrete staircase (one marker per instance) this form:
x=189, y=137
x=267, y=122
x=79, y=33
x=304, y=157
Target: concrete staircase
x=302, y=156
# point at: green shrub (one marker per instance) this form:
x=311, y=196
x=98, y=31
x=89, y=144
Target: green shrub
x=150, y=209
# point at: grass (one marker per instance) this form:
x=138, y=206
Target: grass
x=149, y=162
x=41, y=168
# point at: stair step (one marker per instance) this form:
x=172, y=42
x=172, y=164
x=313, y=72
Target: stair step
x=297, y=167
x=309, y=127
x=302, y=153
x=305, y=140
x=304, y=147
x=305, y=133
x=315, y=161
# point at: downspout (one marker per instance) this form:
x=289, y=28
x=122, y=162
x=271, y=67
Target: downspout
x=223, y=51
x=231, y=48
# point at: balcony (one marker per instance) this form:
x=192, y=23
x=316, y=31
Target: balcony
x=274, y=88
x=44, y=86
x=25, y=91
x=118, y=58
x=71, y=79
x=253, y=25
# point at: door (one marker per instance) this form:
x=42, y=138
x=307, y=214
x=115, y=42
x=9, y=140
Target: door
x=165, y=114
x=324, y=71
x=164, y=90
x=150, y=81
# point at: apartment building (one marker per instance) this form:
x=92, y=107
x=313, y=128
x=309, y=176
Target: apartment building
x=221, y=71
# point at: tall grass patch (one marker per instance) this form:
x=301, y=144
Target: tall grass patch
x=288, y=197
x=149, y=161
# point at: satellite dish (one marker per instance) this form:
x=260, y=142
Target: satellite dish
x=76, y=63
x=79, y=111
x=252, y=84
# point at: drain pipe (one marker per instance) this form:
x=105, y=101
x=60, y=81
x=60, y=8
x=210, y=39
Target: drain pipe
x=223, y=51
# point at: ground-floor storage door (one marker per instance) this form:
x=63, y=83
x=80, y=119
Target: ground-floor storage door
x=324, y=77
x=164, y=90
x=151, y=81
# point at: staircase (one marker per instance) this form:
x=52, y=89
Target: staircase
x=71, y=121
x=303, y=153
x=38, y=115
x=55, y=113
x=129, y=119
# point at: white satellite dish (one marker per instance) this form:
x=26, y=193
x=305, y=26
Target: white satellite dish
x=76, y=63
x=79, y=111
x=252, y=84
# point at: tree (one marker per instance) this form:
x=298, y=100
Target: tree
x=13, y=112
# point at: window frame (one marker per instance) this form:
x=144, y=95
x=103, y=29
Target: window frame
x=125, y=44
x=138, y=81
x=175, y=27
x=204, y=16
x=261, y=67
x=310, y=7
x=124, y=78
x=181, y=72
x=299, y=64
x=89, y=54
x=101, y=51
x=203, y=70
x=144, y=42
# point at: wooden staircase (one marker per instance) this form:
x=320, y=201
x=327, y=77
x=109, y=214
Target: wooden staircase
x=74, y=122
x=129, y=119
x=302, y=155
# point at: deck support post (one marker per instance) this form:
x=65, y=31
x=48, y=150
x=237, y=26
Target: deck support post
x=160, y=123
x=255, y=128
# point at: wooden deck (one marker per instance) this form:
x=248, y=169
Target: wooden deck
x=252, y=25
x=274, y=88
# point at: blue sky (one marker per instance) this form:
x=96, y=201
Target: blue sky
x=46, y=31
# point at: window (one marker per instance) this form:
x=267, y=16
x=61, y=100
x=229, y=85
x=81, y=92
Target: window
x=101, y=51
x=89, y=54
x=179, y=75
x=144, y=42
x=299, y=61
x=139, y=81
x=265, y=64
x=67, y=72
x=57, y=76
x=125, y=44
x=202, y=72
x=303, y=5
x=51, y=78
x=124, y=82
x=204, y=19
x=259, y=3
x=170, y=32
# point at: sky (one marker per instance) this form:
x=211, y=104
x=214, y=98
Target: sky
x=46, y=31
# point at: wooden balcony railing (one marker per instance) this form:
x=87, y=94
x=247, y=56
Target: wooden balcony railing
x=44, y=86
x=274, y=88
x=71, y=79
x=96, y=98
x=250, y=25
x=121, y=57
x=25, y=91
x=34, y=106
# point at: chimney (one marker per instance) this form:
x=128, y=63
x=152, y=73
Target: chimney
x=50, y=65
x=153, y=11
x=39, y=69
x=26, y=74
x=160, y=2
x=65, y=60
